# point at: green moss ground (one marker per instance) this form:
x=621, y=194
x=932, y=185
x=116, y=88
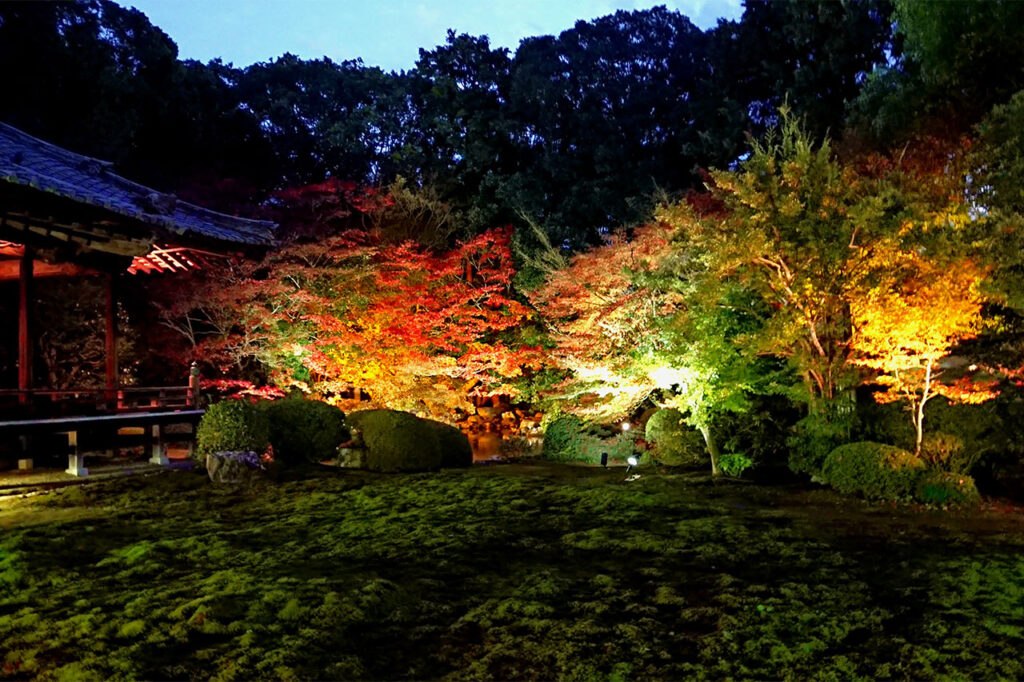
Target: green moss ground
x=515, y=571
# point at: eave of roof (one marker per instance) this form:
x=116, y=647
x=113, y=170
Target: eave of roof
x=28, y=161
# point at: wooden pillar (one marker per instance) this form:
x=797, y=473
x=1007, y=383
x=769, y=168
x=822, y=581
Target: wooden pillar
x=193, y=385
x=25, y=325
x=157, y=446
x=111, y=339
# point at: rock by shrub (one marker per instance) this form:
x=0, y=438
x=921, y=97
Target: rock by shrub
x=945, y=487
x=232, y=426
x=675, y=442
x=303, y=430
x=399, y=441
x=235, y=468
x=873, y=470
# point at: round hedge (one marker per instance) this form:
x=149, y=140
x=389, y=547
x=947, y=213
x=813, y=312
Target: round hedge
x=232, y=426
x=675, y=442
x=873, y=470
x=304, y=430
x=399, y=441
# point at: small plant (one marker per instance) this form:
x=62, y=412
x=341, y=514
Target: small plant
x=232, y=426
x=734, y=463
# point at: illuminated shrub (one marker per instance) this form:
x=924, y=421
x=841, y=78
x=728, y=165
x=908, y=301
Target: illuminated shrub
x=946, y=452
x=567, y=439
x=618, y=447
x=873, y=470
x=304, y=430
x=675, y=442
x=734, y=463
x=232, y=426
x=562, y=438
x=945, y=487
x=399, y=441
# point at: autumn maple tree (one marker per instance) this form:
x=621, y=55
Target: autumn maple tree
x=414, y=328
x=908, y=322
x=625, y=331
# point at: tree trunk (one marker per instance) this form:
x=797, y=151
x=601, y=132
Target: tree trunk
x=709, y=440
x=919, y=412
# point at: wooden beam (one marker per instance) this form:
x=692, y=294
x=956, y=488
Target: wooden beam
x=11, y=249
x=25, y=324
x=11, y=270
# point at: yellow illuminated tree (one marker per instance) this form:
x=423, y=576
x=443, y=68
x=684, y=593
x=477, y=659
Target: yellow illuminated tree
x=907, y=323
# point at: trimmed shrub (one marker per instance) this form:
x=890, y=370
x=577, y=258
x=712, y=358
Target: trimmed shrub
x=231, y=426
x=675, y=442
x=873, y=470
x=945, y=487
x=562, y=437
x=304, y=430
x=399, y=441
x=567, y=439
x=455, y=448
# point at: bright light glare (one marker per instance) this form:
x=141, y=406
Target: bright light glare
x=631, y=461
x=625, y=426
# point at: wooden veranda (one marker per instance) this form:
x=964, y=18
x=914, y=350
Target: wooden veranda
x=67, y=215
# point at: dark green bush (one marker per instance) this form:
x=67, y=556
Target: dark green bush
x=232, y=426
x=873, y=470
x=455, y=448
x=760, y=432
x=562, y=437
x=399, y=441
x=675, y=442
x=819, y=433
x=304, y=430
x=945, y=487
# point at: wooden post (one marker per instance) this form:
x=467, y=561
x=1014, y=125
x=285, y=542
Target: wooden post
x=25, y=325
x=111, y=342
x=157, y=446
x=193, y=386
x=76, y=460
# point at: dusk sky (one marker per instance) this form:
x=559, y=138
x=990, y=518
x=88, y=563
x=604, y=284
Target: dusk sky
x=385, y=33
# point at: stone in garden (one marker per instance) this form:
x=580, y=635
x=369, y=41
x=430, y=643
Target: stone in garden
x=352, y=458
x=234, y=468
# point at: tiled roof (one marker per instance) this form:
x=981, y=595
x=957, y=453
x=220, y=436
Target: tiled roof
x=31, y=162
